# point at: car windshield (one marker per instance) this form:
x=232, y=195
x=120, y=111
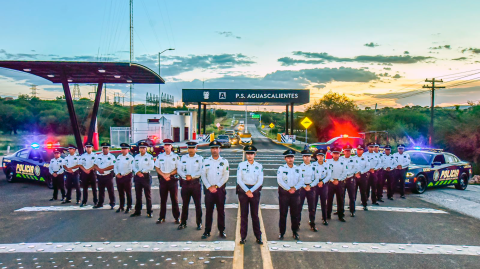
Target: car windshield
x=223, y=137
x=342, y=141
x=420, y=158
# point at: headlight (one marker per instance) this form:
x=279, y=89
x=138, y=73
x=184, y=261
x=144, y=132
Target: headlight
x=410, y=174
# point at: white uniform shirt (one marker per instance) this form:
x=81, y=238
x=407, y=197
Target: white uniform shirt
x=167, y=163
x=380, y=159
x=123, y=165
x=339, y=169
x=322, y=172
x=389, y=161
x=249, y=174
x=103, y=161
x=374, y=160
x=307, y=174
x=71, y=161
x=190, y=166
x=87, y=160
x=352, y=165
x=215, y=172
x=143, y=164
x=56, y=166
x=363, y=163
x=289, y=177
x=402, y=159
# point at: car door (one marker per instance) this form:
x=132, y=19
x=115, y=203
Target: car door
x=18, y=162
x=444, y=173
x=36, y=165
x=454, y=169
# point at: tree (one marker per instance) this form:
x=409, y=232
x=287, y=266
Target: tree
x=220, y=113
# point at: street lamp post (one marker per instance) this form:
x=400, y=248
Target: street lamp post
x=159, y=90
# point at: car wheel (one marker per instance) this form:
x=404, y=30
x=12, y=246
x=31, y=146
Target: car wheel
x=49, y=183
x=420, y=185
x=9, y=176
x=462, y=183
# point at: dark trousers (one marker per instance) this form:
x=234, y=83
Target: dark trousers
x=72, y=182
x=339, y=191
x=399, y=182
x=124, y=187
x=350, y=189
x=211, y=200
x=286, y=200
x=143, y=184
x=372, y=184
x=167, y=187
x=58, y=183
x=322, y=192
x=380, y=183
x=312, y=204
x=362, y=184
x=89, y=180
x=105, y=182
x=191, y=189
x=249, y=205
x=390, y=177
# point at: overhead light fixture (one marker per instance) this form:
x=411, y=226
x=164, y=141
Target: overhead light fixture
x=117, y=76
x=129, y=81
x=27, y=69
x=50, y=76
x=70, y=80
x=101, y=70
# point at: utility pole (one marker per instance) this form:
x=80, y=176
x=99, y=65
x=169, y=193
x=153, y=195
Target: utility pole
x=131, y=54
x=34, y=90
x=76, y=92
x=432, y=106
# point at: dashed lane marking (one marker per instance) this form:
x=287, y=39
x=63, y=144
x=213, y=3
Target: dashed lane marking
x=382, y=248
x=59, y=247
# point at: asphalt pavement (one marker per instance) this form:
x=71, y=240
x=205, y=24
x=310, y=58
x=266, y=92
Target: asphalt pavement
x=419, y=231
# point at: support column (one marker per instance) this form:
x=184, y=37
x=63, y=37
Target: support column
x=291, y=120
x=73, y=116
x=198, y=118
x=286, y=119
x=204, y=118
x=93, y=119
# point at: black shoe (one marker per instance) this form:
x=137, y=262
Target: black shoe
x=78, y=202
x=243, y=241
x=352, y=214
x=222, y=235
x=375, y=203
x=313, y=228
x=160, y=221
x=82, y=205
x=381, y=200
x=63, y=199
x=342, y=219
x=325, y=223
x=128, y=210
x=53, y=199
x=119, y=209
x=403, y=197
x=98, y=206
x=365, y=208
x=296, y=236
x=280, y=237
x=149, y=215
x=205, y=235
x=259, y=241
x=177, y=221
x=199, y=227
x=182, y=226
x=390, y=198
x=111, y=207
x=135, y=214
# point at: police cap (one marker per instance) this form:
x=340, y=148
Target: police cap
x=321, y=152
x=289, y=152
x=167, y=141
x=124, y=146
x=250, y=149
x=142, y=144
x=89, y=144
x=191, y=144
x=215, y=144
x=105, y=145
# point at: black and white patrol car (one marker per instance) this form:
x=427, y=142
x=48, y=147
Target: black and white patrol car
x=434, y=168
x=30, y=164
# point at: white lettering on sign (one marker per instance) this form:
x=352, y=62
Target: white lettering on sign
x=449, y=174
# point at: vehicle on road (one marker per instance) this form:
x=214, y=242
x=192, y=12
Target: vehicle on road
x=230, y=132
x=224, y=140
x=246, y=139
x=31, y=163
x=433, y=168
x=234, y=140
x=339, y=141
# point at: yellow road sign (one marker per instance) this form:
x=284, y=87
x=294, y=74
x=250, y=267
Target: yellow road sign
x=263, y=126
x=306, y=122
x=271, y=125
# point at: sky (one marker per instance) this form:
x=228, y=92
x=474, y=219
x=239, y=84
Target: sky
x=375, y=52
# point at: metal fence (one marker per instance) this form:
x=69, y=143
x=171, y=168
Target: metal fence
x=119, y=135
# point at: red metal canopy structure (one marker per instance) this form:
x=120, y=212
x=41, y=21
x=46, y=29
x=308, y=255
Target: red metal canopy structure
x=86, y=72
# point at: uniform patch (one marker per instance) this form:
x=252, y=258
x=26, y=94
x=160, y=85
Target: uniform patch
x=146, y=159
x=221, y=164
x=256, y=167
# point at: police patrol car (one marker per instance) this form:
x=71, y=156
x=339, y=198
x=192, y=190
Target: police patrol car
x=434, y=168
x=153, y=148
x=30, y=163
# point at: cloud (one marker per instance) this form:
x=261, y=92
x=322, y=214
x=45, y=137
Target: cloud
x=287, y=61
x=460, y=59
x=18, y=56
x=441, y=47
x=228, y=34
x=405, y=59
x=371, y=45
x=83, y=58
x=473, y=50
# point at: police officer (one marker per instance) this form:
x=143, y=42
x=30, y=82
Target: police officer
x=190, y=171
x=71, y=167
x=166, y=167
x=380, y=175
x=123, y=175
x=389, y=164
x=364, y=168
x=336, y=185
x=372, y=177
x=87, y=173
x=249, y=185
x=215, y=175
x=142, y=166
x=289, y=184
x=104, y=164
x=322, y=176
x=308, y=189
x=56, y=174
x=403, y=161
x=352, y=175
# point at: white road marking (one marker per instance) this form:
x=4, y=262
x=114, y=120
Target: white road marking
x=264, y=249
x=238, y=253
x=385, y=248
x=58, y=247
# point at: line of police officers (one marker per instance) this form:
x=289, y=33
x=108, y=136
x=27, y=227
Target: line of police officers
x=321, y=179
